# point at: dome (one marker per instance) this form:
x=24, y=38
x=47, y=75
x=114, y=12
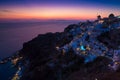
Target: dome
x=111, y=15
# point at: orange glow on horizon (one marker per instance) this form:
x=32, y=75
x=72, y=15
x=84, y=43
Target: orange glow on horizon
x=53, y=13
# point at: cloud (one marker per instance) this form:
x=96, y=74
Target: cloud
x=6, y=11
x=0, y=13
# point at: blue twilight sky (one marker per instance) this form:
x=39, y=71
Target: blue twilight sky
x=21, y=2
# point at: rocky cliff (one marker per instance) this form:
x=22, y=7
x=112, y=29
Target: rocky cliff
x=67, y=55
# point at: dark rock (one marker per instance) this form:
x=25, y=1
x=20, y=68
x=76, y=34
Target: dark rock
x=72, y=26
x=41, y=51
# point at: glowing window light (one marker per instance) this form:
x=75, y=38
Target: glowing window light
x=82, y=48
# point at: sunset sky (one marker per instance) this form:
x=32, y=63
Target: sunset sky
x=57, y=9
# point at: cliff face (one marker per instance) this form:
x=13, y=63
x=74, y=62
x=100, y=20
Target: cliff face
x=81, y=52
x=41, y=53
x=41, y=44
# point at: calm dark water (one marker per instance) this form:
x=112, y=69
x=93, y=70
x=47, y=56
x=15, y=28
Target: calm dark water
x=7, y=70
x=13, y=35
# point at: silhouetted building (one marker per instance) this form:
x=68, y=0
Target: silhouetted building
x=99, y=17
x=111, y=16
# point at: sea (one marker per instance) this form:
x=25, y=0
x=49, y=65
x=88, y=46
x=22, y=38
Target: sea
x=13, y=35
